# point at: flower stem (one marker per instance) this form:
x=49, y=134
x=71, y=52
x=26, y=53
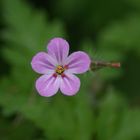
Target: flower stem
x=96, y=65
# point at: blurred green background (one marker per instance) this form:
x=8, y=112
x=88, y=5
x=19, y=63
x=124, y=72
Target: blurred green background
x=107, y=106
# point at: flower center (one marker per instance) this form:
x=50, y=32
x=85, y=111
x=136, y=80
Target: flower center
x=59, y=70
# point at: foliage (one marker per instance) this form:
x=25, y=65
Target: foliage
x=107, y=106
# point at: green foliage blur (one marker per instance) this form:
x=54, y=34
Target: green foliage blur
x=107, y=106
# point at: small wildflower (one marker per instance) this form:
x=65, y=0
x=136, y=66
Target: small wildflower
x=58, y=68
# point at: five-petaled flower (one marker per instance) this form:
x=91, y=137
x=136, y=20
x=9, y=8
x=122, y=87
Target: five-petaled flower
x=58, y=68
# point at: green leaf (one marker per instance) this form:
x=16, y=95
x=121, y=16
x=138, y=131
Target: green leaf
x=111, y=111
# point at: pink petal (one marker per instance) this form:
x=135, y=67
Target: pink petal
x=78, y=62
x=70, y=84
x=43, y=63
x=47, y=85
x=59, y=49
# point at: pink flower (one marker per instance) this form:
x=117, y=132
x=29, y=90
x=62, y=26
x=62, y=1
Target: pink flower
x=58, y=69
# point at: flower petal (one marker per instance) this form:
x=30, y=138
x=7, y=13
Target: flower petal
x=70, y=84
x=59, y=49
x=48, y=85
x=43, y=63
x=78, y=62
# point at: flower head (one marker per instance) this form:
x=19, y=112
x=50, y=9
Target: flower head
x=58, y=68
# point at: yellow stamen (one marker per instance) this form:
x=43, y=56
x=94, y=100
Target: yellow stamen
x=60, y=70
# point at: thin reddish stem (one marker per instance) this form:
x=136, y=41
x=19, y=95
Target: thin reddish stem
x=95, y=65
